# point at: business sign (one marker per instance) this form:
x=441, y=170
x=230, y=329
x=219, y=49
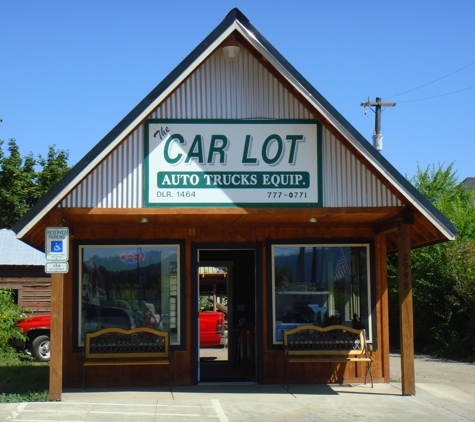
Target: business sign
x=54, y=267
x=233, y=163
x=57, y=244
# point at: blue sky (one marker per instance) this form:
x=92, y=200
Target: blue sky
x=71, y=70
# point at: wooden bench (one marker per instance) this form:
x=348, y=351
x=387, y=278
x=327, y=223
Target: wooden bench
x=115, y=346
x=335, y=343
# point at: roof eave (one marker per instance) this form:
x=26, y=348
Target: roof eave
x=383, y=166
x=235, y=20
x=124, y=127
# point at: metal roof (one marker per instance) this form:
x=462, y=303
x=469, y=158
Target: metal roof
x=236, y=21
x=16, y=252
x=469, y=182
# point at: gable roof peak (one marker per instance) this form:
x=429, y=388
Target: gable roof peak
x=236, y=14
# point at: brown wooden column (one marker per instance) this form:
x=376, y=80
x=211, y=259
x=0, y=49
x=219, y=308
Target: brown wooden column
x=406, y=319
x=56, y=332
x=383, y=307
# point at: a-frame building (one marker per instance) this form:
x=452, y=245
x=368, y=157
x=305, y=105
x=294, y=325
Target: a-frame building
x=233, y=160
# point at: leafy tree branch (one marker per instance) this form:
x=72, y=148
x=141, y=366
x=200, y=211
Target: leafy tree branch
x=22, y=184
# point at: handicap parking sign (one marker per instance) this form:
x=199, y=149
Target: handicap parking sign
x=56, y=246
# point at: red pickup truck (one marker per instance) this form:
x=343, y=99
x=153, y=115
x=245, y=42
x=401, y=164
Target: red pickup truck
x=211, y=328
x=37, y=329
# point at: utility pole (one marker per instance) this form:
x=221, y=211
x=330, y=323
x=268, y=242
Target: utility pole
x=377, y=136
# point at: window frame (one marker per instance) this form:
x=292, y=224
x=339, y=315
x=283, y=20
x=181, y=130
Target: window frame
x=180, y=344
x=371, y=332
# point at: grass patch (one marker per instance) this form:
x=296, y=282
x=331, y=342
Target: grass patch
x=22, y=379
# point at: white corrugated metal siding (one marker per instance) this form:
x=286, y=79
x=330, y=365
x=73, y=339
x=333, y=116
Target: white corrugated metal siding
x=253, y=93
x=15, y=252
x=116, y=182
x=347, y=182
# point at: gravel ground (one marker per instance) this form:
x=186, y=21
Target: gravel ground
x=431, y=370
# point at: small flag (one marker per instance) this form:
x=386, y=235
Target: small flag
x=341, y=269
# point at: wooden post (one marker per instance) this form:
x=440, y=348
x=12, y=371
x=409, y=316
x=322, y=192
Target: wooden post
x=56, y=332
x=214, y=297
x=406, y=319
x=383, y=293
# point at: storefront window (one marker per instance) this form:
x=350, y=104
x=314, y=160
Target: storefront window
x=321, y=285
x=129, y=286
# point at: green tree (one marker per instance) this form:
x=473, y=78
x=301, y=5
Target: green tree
x=443, y=274
x=21, y=184
x=10, y=314
x=54, y=167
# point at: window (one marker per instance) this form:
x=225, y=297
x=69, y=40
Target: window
x=129, y=286
x=16, y=297
x=320, y=285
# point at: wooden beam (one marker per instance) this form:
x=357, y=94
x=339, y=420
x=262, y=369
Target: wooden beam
x=71, y=213
x=56, y=332
x=388, y=225
x=383, y=293
x=406, y=317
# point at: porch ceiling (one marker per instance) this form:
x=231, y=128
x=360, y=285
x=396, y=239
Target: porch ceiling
x=383, y=220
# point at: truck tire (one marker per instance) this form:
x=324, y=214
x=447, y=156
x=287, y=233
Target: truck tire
x=40, y=348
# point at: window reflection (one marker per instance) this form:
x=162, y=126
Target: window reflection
x=127, y=287
x=321, y=285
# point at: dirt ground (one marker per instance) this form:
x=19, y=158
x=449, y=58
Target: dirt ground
x=431, y=370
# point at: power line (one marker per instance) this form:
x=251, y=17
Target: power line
x=438, y=79
x=435, y=96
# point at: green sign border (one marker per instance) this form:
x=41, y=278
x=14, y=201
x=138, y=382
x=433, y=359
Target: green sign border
x=319, y=161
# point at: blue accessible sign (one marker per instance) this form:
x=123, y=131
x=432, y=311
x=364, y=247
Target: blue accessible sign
x=56, y=246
